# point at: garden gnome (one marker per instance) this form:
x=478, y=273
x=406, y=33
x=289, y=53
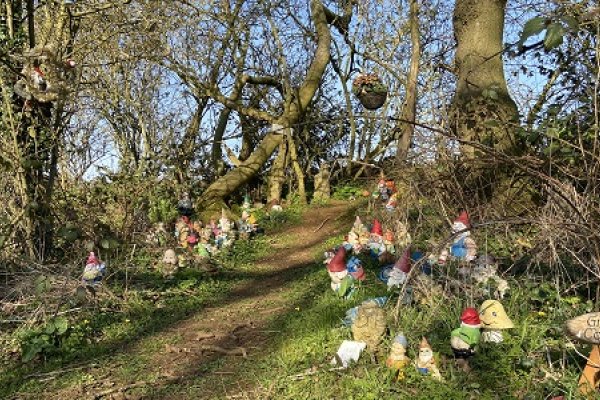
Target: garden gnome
x=464, y=339
x=403, y=238
x=397, y=360
x=464, y=246
x=493, y=321
x=392, y=203
x=376, y=244
x=184, y=206
x=94, y=270
x=170, y=262
x=399, y=273
x=246, y=205
x=337, y=269
x=388, y=241
x=485, y=273
x=370, y=325
x=355, y=269
x=358, y=226
x=224, y=222
x=425, y=362
x=384, y=194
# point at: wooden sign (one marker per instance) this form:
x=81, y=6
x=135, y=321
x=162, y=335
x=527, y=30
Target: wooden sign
x=589, y=380
x=585, y=328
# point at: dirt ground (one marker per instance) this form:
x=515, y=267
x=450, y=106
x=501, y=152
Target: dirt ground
x=235, y=328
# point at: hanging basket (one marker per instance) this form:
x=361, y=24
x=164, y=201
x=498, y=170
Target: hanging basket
x=372, y=100
x=370, y=91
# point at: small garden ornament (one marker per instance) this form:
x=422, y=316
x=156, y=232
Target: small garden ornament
x=397, y=360
x=464, y=338
x=485, y=274
x=388, y=240
x=94, y=270
x=370, y=91
x=425, y=362
x=463, y=247
x=355, y=269
x=397, y=276
x=184, y=206
x=170, y=263
x=376, y=245
x=493, y=321
x=339, y=273
x=370, y=325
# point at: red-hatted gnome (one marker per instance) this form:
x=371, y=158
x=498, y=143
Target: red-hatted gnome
x=399, y=273
x=341, y=280
x=463, y=246
x=464, y=339
x=376, y=244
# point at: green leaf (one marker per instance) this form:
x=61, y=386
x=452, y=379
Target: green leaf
x=531, y=28
x=41, y=284
x=50, y=328
x=105, y=244
x=571, y=22
x=554, y=36
x=62, y=324
x=30, y=351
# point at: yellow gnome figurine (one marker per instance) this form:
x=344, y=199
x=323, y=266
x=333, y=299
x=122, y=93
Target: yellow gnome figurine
x=426, y=363
x=493, y=321
x=397, y=360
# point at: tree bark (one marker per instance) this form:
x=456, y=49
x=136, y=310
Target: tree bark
x=482, y=99
x=409, y=109
x=293, y=111
x=277, y=174
x=297, y=170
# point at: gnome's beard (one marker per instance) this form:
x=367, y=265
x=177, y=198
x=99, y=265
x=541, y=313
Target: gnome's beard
x=425, y=355
x=338, y=277
x=459, y=227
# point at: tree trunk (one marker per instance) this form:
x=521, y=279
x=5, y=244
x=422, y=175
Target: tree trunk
x=322, y=185
x=277, y=174
x=297, y=170
x=483, y=110
x=293, y=111
x=409, y=109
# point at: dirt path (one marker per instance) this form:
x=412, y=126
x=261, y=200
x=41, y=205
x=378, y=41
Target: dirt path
x=237, y=327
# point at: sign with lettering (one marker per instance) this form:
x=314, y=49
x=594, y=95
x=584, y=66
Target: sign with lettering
x=585, y=328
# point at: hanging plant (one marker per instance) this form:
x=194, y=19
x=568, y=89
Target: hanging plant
x=370, y=91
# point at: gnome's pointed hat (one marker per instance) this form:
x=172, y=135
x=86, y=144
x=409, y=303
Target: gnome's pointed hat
x=338, y=262
x=424, y=344
x=463, y=218
x=493, y=316
x=377, y=229
x=470, y=316
x=403, y=264
x=92, y=259
x=401, y=339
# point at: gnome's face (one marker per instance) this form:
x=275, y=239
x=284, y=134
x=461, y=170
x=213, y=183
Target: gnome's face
x=425, y=354
x=459, y=226
x=376, y=238
x=170, y=258
x=337, y=277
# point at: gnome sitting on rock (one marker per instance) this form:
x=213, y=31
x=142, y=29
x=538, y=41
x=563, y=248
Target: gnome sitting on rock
x=94, y=270
x=463, y=246
x=464, y=339
x=493, y=320
x=397, y=360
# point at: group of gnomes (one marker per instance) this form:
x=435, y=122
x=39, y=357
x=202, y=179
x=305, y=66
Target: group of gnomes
x=94, y=270
x=358, y=237
x=344, y=276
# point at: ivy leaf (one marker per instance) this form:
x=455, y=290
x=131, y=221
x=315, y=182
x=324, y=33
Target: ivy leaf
x=61, y=324
x=531, y=28
x=554, y=36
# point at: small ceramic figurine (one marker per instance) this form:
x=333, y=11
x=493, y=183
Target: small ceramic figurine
x=388, y=240
x=397, y=276
x=370, y=325
x=464, y=339
x=170, y=263
x=384, y=194
x=184, y=206
x=493, y=321
x=94, y=270
x=463, y=247
x=485, y=273
x=376, y=244
x=392, y=203
x=426, y=363
x=224, y=223
x=397, y=360
x=403, y=237
x=355, y=269
x=358, y=226
x=337, y=269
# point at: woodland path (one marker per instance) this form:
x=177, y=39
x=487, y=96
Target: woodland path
x=195, y=348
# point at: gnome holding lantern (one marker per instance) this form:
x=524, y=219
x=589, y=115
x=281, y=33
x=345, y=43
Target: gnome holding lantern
x=464, y=338
x=94, y=270
x=426, y=362
x=341, y=281
x=376, y=245
x=397, y=360
x=463, y=246
x=493, y=320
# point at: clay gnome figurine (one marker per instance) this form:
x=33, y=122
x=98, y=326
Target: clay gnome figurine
x=464, y=339
x=397, y=360
x=399, y=273
x=94, y=270
x=463, y=247
x=493, y=321
x=341, y=281
x=376, y=244
x=170, y=263
x=426, y=363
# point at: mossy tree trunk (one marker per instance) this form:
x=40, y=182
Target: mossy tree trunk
x=482, y=109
